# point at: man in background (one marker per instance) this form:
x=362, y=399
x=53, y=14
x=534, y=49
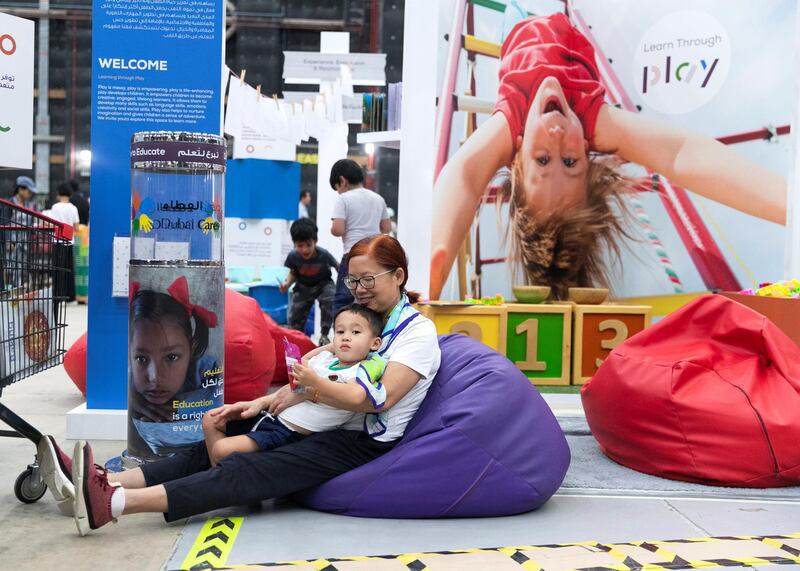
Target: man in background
x=16, y=250
x=23, y=193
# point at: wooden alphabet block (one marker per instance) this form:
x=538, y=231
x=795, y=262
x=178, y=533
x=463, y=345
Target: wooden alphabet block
x=600, y=328
x=484, y=323
x=538, y=341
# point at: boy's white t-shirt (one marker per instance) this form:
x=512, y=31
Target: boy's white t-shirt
x=416, y=347
x=362, y=211
x=315, y=416
x=65, y=212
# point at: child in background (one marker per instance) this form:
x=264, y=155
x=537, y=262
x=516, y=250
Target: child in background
x=357, y=213
x=357, y=332
x=550, y=112
x=168, y=341
x=64, y=211
x=310, y=271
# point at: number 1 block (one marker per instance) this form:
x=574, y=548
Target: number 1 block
x=600, y=328
x=538, y=341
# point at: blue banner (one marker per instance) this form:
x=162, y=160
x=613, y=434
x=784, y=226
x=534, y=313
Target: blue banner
x=156, y=66
x=262, y=189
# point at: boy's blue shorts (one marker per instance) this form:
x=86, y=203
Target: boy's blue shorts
x=270, y=433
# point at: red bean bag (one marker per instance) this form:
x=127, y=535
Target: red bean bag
x=249, y=351
x=296, y=337
x=710, y=394
x=249, y=355
x=75, y=363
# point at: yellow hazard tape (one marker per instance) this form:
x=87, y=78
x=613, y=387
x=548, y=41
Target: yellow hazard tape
x=525, y=555
x=214, y=543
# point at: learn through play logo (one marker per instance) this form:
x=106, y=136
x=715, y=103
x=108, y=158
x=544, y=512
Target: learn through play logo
x=681, y=62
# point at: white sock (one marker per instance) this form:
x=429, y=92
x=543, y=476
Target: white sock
x=117, y=502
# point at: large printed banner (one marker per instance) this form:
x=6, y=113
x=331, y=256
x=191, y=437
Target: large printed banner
x=16, y=92
x=176, y=354
x=642, y=145
x=156, y=66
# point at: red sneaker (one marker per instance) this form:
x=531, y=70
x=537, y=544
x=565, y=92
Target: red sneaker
x=92, y=491
x=56, y=471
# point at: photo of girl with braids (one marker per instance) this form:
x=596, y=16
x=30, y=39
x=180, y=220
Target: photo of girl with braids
x=172, y=379
x=550, y=124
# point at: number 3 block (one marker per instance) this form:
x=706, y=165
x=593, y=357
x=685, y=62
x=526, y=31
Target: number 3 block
x=538, y=341
x=600, y=328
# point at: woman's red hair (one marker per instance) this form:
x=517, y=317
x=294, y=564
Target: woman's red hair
x=388, y=253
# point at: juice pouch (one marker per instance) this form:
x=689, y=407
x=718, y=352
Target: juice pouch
x=292, y=354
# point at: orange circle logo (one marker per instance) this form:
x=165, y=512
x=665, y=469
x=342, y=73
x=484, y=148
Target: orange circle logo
x=8, y=45
x=37, y=336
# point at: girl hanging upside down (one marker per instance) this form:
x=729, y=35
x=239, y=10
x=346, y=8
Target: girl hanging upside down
x=550, y=113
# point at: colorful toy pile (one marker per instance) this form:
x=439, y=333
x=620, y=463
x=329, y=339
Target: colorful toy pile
x=485, y=300
x=789, y=289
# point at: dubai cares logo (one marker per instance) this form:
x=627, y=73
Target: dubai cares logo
x=681, y=62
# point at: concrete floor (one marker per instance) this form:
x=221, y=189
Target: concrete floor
x=36, y=536
x=285, y=532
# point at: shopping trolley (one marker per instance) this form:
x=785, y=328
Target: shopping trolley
x=34, y=271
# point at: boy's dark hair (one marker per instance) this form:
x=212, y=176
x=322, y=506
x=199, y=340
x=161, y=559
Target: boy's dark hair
x=303, y=229
x=157, y=307
x=64, y=189
x=374, y=319
x=347, y=168
x=304, y=193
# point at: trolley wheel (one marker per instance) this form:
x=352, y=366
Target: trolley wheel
x=27, y=489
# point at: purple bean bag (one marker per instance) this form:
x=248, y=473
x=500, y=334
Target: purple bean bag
x=483, y=443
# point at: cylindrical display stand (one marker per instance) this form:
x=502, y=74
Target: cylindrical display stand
x=177, y=194
x=176, y=291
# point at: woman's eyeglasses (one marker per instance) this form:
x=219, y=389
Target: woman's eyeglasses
x=367, y=282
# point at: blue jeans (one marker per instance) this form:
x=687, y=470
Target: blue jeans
x=343, y=296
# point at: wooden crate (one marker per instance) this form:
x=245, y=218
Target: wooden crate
x=600, y=328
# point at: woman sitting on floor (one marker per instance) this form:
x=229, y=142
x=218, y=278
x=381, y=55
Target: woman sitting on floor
x=186, y=484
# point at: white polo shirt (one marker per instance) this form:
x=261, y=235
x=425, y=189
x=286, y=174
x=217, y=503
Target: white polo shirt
x=416, y=347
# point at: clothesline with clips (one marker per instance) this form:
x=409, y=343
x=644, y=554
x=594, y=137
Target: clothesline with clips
x=291, y=122
x=345, y=77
